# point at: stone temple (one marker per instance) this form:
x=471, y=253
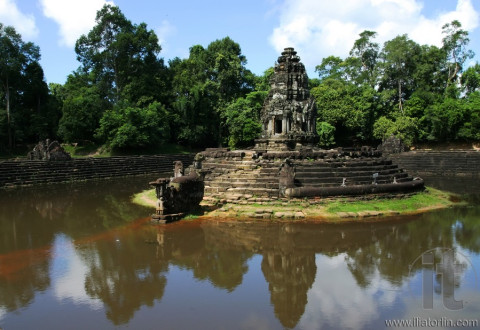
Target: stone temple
x=289, y=113
x=286, y=164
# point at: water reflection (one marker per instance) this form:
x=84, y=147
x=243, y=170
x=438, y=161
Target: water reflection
x=84, y=249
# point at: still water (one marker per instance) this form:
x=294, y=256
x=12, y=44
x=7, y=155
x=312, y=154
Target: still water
x=83, y=257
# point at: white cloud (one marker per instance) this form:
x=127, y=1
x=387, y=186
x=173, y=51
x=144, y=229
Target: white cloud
x=74, y=17
x=318, y=29
x=336, y=299
x=163, y=32
x=3, y=313
x=23, y=24
x=70, y=274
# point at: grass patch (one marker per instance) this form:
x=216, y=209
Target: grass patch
x=77, y=150
x=428, y=198
x=146, y=198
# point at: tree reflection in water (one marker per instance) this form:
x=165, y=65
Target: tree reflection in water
x=128, y=267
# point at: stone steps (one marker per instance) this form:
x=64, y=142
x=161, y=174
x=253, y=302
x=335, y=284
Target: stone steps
x=240, y=184
x=331, y=174
x=261, y=177
x=254, y=191
x=321, y=168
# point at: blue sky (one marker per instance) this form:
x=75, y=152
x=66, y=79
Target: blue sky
x=316, y=28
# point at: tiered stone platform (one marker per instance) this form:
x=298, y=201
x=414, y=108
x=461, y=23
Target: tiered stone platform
x=239, y=176
x=29, y=172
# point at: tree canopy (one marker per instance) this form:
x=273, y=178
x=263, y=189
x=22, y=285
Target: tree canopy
x=24, y=93
x=124, y=96
x=418, y=92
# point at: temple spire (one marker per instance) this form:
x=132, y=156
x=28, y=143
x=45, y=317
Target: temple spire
x=289, y=112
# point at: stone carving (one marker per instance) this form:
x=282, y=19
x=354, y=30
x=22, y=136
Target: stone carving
x=178, y=195
x=286, y=177
x=178, y=169
x=46, y=150
x=289, y=112
x=392, y=145
x=197, y=161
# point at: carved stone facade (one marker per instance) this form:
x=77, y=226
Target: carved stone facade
x=178, y=195
x=289, y=113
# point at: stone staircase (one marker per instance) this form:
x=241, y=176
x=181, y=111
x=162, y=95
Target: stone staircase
x=331, y=173
x=230, y=179
x=29, y=172
x=248, y=178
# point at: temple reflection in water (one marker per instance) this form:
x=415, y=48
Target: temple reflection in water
x=302, y=274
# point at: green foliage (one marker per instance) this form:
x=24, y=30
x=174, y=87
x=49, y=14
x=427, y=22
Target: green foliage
x=122, y=56
x=26, y=110
x=125, y=96
x=204, y=84
x=82, y=109
x=470, y=129
x=326, y=132
x=345, y=106
x=471, y=79
x=455, y=47
x=243, y=119
x=400, y=56
x=131, y=127
x=403, y=127
x=445, y=119
x=406, y=89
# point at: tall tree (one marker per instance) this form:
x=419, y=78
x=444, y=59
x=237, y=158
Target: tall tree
x=15, y=57
x=121, y=55
x=120, y=78
x=83, y=104
x=367, y=52
x=399, y=57
x=204, y=84
x=455, y=46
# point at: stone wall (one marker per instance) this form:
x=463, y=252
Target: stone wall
x=459, y=163
x=32, y=172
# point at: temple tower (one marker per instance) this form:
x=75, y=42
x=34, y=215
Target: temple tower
x=289, y=112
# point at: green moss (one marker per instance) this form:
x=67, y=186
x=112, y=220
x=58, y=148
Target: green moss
x=428, y=198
